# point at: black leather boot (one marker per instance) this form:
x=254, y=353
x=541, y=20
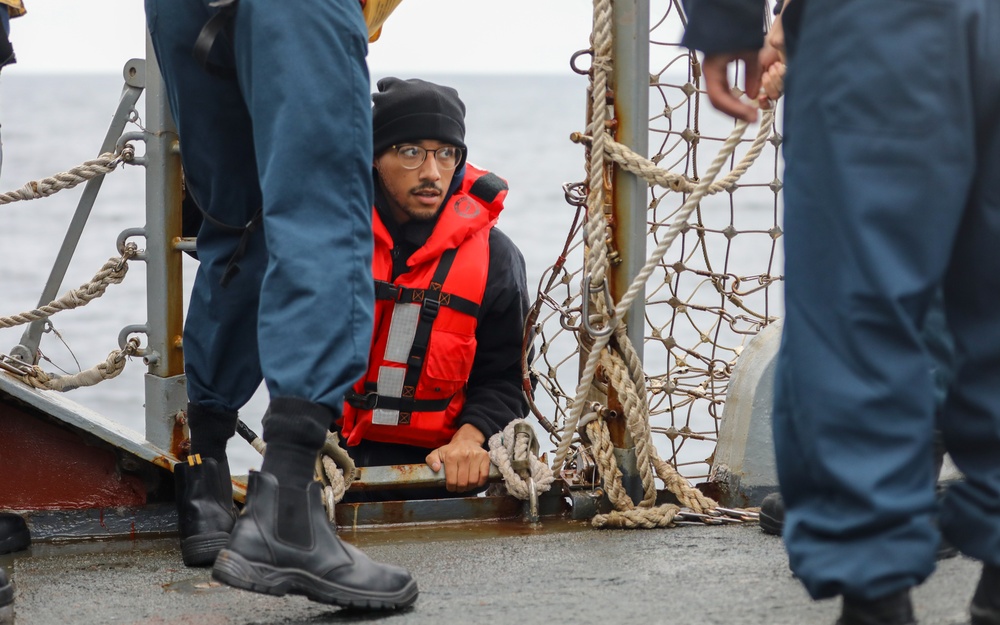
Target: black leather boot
x=894, y=609
x=205, y=511
x=772, y=514
x=283, y=543
x=14, y=534
x=985, y=606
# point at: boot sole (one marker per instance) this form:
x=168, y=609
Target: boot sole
x=770, y=525
x=235, y=570
x=202, y=549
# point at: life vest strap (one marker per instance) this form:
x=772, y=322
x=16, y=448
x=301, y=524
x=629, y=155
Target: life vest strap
x=389, y=291
x=372, y=400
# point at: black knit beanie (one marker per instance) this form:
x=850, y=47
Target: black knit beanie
x=413, y=110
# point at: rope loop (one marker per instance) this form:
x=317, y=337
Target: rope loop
x=506, y=447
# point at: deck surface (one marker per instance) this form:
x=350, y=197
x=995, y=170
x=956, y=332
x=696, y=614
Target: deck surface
x=485, y=573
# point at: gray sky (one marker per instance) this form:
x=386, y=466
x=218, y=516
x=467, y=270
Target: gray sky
x=462, y=36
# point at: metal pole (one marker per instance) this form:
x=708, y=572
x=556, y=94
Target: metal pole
x=630, y=85
x=166, y=394
x=630, y=82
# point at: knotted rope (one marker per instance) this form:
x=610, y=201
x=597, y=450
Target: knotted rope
x=336, y=470
x=113, y=365
x=506, y=446
x=103, y=164
x=646, y=169
x=113, y=272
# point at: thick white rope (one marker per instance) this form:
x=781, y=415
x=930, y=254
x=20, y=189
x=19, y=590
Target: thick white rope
x=650, y=172
x=35, y=189
x=113, y=272
x=113, y=365
x=594, y=230
x=336, y=470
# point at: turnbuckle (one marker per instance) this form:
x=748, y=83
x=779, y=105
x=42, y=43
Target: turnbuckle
x=14, y=366
x=718, y=516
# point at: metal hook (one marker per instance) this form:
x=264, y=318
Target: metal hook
x=585, y=313
x=577, y=55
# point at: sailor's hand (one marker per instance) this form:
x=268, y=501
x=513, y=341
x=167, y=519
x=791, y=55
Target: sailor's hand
x=772, y=85
x=772, y=62
x=717, y=83
x=466, y=464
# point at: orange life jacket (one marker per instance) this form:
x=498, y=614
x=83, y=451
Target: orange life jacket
x=424, y=340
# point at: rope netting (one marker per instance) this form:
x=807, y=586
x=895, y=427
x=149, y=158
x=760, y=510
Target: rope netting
x=712, y=253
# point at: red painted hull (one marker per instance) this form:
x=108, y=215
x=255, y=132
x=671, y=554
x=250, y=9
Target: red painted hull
x=45, y=466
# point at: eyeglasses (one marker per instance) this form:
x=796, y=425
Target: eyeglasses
x=413, y=156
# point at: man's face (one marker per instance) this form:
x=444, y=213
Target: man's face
x=417, y=193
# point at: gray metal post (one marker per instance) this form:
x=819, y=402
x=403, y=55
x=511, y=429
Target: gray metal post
x=166, y=393
x=630, y=84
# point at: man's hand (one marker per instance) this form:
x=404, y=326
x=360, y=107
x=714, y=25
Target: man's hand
x=466, y=464
x=717, y=83
x=772, y=60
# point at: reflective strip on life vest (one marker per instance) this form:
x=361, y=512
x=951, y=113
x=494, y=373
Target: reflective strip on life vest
x=402, y=329
x=390, y=384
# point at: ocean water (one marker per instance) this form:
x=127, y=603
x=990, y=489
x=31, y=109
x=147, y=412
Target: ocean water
x=517, y=126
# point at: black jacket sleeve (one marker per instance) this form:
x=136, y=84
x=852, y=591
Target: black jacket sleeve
x=494, y=397
x=720, y=26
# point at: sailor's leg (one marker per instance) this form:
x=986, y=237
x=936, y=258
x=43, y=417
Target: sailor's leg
x=217, y=151
x=304, y=77
x=970, y=516
x=220, y=333
x=878, y=165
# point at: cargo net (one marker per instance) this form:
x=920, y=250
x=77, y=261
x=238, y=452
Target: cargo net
x=712, y=291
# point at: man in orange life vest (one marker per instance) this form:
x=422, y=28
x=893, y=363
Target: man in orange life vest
x=444, y=370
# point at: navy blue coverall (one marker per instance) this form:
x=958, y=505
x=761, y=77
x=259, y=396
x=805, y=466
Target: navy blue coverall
x=892, y=145
x=289, y=135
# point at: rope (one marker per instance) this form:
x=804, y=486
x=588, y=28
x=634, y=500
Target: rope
x=594, y=227
x=506, y=445
x=113, y=272
x=646, y=169
x=336, y=470
x=110, y=368
x=35, y=189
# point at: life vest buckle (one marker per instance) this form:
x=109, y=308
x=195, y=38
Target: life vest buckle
x=429, y=311
x=367, y=401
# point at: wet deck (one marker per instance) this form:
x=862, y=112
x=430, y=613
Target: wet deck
x=485, y=573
